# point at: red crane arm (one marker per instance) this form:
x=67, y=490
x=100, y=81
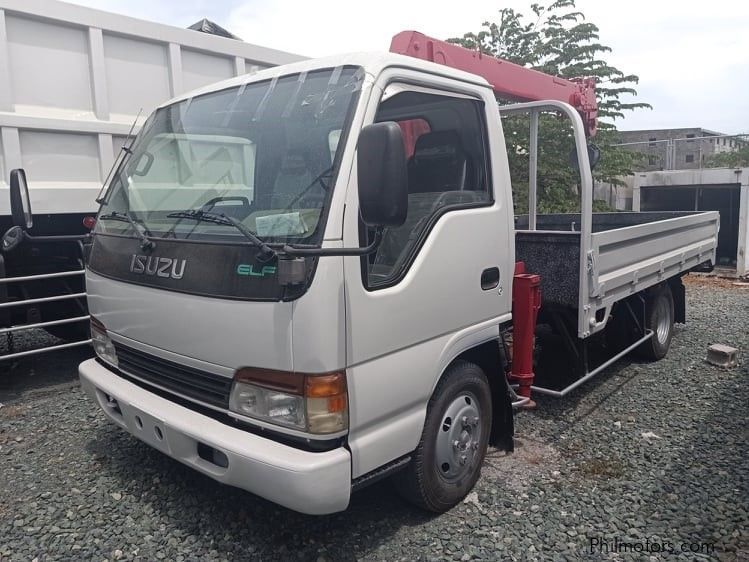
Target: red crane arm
x=508, y=80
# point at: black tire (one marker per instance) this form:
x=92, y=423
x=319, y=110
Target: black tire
x=425, y=482
x=659, y=317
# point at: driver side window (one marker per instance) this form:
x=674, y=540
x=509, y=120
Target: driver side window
x=445, y=144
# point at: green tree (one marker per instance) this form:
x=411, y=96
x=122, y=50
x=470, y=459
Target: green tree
x=557, y=39
x=738, y=158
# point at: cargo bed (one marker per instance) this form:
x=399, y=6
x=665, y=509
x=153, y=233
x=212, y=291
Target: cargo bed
x=626, y=252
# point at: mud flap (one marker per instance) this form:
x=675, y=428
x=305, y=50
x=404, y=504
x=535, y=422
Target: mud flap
x=503, y=423
x=680, y=300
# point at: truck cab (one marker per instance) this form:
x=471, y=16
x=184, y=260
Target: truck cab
x=379, y=349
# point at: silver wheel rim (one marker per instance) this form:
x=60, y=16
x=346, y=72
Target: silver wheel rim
x=663, y=320
x=458, y=437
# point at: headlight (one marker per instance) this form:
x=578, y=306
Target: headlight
x=266, y=404
x=312, y=403
x=103, y=346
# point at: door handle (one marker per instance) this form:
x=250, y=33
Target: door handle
x=489, y=278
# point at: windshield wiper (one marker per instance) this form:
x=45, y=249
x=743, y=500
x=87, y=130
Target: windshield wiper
x=199, y=215
x=145, y=242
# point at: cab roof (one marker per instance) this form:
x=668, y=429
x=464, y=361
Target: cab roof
x=373, y=63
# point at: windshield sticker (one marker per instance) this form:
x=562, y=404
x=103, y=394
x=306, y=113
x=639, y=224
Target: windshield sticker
x=282, y=224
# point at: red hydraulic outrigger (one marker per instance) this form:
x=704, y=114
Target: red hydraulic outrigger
x=514, y=83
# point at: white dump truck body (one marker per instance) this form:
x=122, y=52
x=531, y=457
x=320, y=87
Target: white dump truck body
x=74, y=79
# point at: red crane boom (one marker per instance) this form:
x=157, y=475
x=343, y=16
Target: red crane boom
x=508, y=80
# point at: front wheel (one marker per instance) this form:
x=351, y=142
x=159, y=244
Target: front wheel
x=659, y=318
x=447, y=462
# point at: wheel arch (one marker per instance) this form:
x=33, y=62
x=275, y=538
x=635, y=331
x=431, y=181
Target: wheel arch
x=490, y=357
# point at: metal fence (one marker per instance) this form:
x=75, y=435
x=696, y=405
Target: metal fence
x=663, y=154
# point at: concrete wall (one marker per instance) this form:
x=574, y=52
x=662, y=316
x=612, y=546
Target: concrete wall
x=706, y=177
x=618, y=197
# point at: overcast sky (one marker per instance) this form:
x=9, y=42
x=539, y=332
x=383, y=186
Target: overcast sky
x=692, y=56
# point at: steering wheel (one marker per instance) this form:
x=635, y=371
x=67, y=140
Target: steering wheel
x=12, y=238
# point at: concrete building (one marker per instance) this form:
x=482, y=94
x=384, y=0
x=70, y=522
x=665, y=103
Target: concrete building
x=678, y=149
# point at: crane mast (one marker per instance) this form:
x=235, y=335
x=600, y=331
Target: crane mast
x=509, y=81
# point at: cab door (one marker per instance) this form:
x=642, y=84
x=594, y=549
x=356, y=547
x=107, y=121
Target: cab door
x=440, y=283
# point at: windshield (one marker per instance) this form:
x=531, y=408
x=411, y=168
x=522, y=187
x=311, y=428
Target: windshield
x=265, y=154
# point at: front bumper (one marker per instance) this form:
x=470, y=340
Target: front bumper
x=313, y=483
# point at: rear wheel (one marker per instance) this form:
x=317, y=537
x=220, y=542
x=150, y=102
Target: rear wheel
x=659, y=318
x=447, y=461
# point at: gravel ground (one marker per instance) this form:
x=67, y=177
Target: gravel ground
x=645, y=453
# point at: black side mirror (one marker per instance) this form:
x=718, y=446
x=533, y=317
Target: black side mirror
x=383, y=178
x=594, y=155
x=20, y=203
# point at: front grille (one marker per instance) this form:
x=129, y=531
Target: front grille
x=189, y=382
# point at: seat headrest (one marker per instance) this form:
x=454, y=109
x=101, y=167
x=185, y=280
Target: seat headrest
x=294, y=162
x=438, y=164
x=439, y=144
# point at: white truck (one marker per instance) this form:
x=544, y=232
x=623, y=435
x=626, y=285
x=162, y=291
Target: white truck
x=72, y=83
x=300, y=281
